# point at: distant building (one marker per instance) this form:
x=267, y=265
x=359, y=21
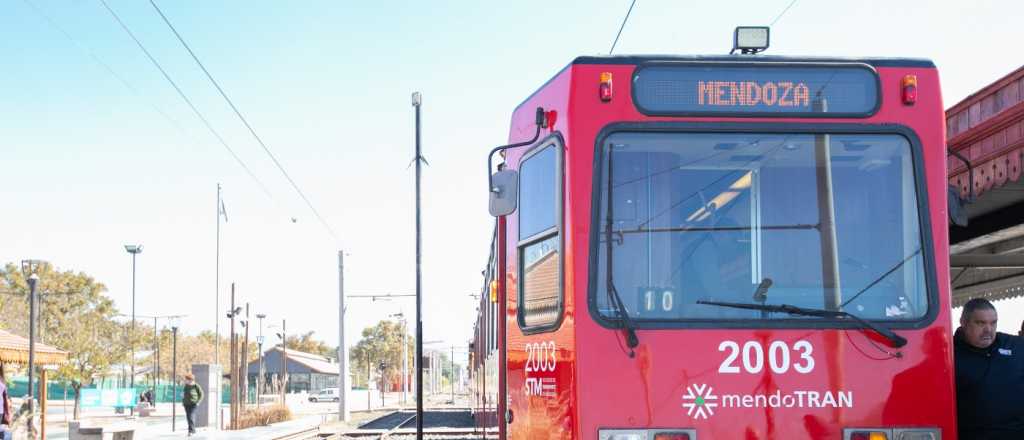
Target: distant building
x=306, y=371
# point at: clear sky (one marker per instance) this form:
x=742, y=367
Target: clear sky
x=92, y=160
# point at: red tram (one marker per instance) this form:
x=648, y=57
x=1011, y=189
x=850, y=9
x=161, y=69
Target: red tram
x=720, y=247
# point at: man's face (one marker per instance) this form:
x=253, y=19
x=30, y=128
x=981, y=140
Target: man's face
x=980, y=327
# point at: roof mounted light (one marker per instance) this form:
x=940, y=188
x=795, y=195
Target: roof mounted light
x=749, y=39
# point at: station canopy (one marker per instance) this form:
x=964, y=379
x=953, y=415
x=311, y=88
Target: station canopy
x=14, y=349
x=986, y=130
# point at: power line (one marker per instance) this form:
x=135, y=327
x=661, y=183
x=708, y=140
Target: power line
x=782, y=13
x=101, y=63
x=624, y=19
x=244, y=121
x=187, y=101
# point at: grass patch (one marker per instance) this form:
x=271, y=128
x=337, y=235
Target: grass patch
x=264, y=416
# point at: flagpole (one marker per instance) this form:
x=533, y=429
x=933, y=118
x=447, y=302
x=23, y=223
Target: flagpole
x=216, y=315
x=216, y=320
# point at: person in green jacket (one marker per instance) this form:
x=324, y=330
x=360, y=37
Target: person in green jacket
x=193, y=394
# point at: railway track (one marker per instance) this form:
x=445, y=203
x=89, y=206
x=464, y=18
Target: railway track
x=401, y=425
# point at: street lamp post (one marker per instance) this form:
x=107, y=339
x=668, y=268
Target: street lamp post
x=135, y=250
x=405, y=356
x=29, y=269
x=174, y=372
x=417, y=101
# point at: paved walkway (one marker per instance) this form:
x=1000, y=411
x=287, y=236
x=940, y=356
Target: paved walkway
x=262, y=432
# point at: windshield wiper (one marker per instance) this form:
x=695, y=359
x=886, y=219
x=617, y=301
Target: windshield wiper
x=896, y=340
x=627, y=325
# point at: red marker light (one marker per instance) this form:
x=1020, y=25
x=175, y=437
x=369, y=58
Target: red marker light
x=671, y=436
x=909, y=89
x=550, y=117
x=605, y=89
x=868, y=435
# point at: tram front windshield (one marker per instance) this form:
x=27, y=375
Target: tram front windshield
x=831, y=220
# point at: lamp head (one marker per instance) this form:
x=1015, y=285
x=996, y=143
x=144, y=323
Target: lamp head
x=133, y=248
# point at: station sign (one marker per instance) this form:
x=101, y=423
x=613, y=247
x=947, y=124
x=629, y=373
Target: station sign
x=762, y=89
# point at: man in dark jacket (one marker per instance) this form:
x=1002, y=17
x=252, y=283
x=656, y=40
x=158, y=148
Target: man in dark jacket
x=989, y=376
x=193, y=394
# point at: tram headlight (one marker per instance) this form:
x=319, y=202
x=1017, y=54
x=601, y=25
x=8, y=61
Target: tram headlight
x=916, y=434
x=647, y=434
x=622, y=434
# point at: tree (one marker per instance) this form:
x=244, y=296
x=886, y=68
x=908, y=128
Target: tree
x=74, y=315
x=380, y=343
x=306, y=343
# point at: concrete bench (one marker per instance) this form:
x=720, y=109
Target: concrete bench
x=145, y=410
x=110, y=432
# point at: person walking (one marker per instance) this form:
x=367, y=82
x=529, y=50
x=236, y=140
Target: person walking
x=192, y=395
x=5, y=407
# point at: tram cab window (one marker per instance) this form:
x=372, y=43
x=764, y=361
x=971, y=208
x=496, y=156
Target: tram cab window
x=707, y=216
x=540, y=265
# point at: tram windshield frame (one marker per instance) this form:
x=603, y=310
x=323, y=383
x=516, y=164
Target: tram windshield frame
x=710, y=215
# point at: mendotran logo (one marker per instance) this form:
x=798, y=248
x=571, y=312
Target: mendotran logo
x=700, y=402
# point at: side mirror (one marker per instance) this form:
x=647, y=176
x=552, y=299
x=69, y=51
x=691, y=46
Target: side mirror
x=957, y=210
x=504, y=193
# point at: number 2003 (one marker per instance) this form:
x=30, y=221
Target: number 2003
x=779, y=357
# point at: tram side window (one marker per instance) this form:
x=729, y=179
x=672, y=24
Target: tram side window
x=540, y=291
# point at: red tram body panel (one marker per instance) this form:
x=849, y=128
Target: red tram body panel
x=683, y=198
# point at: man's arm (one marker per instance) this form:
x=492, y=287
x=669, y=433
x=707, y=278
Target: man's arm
x=199, y=391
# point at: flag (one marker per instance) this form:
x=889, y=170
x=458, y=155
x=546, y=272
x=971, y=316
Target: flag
x=223, y=211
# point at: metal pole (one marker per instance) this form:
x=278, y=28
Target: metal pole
x=343, y=385
x=284, y=361
x=234, y=370
x=826, y=214
x=32, y=280
x=452, y=375
x=405, y=359
x=260, y=379
x=216, y=294
x=243, y=369
x=367, y=380
x=416, y=102
x=174, y=377
x=131, y=337
x=156, y=362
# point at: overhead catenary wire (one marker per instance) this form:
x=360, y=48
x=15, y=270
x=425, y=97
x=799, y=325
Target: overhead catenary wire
x=778, y=17
x=53, y=23
x=623, y=26
x=246, y=123
x=187, y=100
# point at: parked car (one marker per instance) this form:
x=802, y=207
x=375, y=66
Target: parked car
x=325, y=395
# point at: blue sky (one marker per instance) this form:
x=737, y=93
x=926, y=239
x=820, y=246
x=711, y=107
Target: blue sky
x=90, y=164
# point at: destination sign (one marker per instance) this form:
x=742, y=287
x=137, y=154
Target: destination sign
x=750, y=90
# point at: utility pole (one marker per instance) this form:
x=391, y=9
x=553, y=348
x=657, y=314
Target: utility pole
x=451, y=376
x=417, y=100
x=343, y=385
x=367, y=380
x=234, y=370
x=244, y=367
x=284, y=360
x=174, y=375
x=259, y=379
x=156, y=362
x=405, y=359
